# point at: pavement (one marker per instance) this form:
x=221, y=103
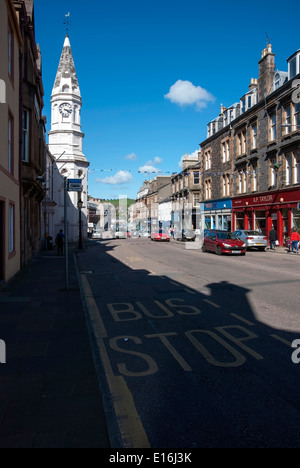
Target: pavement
x=49, y=391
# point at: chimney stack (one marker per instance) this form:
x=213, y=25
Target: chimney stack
x=266, y=72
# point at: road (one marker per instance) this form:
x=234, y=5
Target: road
x=192, y=349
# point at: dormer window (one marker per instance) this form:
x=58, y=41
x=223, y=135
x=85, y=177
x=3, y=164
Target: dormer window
x=243, y=105
x=293, y=65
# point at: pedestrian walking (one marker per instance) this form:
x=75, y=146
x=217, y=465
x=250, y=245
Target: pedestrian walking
x=273, y=238
x=295, y=239
x=60, y=242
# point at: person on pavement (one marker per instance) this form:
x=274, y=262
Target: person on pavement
x=295, y=239
x=273, y=238
x=60, y=242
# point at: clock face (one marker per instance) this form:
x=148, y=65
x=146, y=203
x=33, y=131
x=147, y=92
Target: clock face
x=65, y=109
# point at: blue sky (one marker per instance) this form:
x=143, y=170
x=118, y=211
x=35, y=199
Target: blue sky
x=152, y=74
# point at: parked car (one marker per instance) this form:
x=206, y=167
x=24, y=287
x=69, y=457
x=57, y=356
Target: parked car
x=160, y=235
x=185, y=235
x=139, y=234
x=97, y=234
x=223, y=242
x=253, y=239
x=121, y=234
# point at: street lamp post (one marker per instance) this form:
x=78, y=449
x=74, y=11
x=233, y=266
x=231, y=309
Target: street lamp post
x=79, y=206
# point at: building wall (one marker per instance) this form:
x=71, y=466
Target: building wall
x=264, y=155
x=32, y=153
x=9, y=173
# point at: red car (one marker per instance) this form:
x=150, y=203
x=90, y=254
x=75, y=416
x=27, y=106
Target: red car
x=223, y=242
x=160, y=236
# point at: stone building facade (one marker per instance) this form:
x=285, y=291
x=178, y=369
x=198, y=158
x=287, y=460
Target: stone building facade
x=254, y=158
x=186, y=193
x=10, y=232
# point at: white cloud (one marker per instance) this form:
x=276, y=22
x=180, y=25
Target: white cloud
x=184, y=93
x=150, y=166
x=121, y=177
x=193, y=155
x=131, y=157
x=158, y=160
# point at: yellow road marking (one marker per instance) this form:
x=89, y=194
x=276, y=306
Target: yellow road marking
x=130, y=425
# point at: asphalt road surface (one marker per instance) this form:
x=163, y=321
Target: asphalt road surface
x=194, y=350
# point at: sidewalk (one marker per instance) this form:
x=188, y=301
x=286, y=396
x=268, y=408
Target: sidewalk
x=49, y=394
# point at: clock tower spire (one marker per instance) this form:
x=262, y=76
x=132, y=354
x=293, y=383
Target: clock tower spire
x=65, y=137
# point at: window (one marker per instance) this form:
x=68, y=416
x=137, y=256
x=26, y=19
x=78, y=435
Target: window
x=273, y=127
x=207, y=160
x=227, y=151
x=244, y=148
x=196, y=199
x=196, y=178
x=296, y=117
x=287, y=119
x=25, y=136
x=254, y=179
x=242, y=182
x=241, y=143
x=225, y=119
x=293, y=67
x=11, y=228
x=288, y=169
x=208, y=189
x=254, y=136
x=273, y=177
x=239, y=152
x=10, y=144
x=226, y=185
x=243, y=105
x=249, y=101
x=277, y=81
x=292, y=169
x=224, y=152
x=10, y=52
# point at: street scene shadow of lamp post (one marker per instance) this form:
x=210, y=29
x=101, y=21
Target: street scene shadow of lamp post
x=79, y=206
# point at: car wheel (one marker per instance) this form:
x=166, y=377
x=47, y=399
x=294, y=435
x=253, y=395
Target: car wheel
x=219, y=250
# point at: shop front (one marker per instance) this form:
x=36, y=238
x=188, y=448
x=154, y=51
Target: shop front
x=217, y=214
x=262, y=211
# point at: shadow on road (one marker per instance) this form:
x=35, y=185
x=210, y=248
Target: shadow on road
x=202, y=370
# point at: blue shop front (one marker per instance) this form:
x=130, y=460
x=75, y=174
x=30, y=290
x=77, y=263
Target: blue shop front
x=216, y=214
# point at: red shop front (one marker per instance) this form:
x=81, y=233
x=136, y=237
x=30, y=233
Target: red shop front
x=262, y=211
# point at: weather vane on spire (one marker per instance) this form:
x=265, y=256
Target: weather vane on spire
x=67, y=22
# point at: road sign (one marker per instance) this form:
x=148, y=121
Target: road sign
x=298, y=206
x=74, y=185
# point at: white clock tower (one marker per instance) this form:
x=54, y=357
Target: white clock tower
x=65, y=143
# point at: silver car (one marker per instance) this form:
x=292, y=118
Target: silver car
x=253, y=239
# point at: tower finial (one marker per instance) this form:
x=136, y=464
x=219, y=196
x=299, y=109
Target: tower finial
x=268, y=40
x=67, y=22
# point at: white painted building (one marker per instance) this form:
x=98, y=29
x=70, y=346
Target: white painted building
x=65, y=143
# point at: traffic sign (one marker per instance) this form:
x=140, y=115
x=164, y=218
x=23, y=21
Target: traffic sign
x=74, y=185
x=298, y=206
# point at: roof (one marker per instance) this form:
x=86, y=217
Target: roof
x=66, y=73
